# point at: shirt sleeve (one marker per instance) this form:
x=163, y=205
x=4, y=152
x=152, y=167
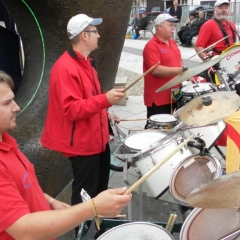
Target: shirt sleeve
x=12, y=205
x=205, y=34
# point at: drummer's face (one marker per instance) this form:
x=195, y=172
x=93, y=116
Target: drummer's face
x=167, y=29
x=221, y=12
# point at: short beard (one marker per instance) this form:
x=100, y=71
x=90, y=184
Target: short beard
x=221, y=17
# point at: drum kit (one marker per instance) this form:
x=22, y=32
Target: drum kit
x=176, y=155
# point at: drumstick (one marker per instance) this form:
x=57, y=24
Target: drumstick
x=118, y=216
x=206, y=49
x=169, y=221
x=156, y=167
x=138, y=119
x=172, y=222
x=148, y=71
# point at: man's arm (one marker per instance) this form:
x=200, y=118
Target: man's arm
x=163, y=71
x=48, y=224
x=201, y=55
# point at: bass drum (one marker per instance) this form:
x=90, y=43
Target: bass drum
x=211, y=224
x=137, y=230
x=230, y=65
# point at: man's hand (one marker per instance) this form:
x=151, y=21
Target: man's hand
x=114, y=96
x=115, y=118
x=111, y=202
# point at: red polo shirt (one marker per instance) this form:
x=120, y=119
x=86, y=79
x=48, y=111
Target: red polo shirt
x=156, y=50
x=20, y=192
x=211, y=33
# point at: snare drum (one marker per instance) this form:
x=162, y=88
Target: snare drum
x=139, y=140
x=191, y=173
x=145, y=160
x=163, y=121
x=211, y=224
x=137, y=230
x=192, y=91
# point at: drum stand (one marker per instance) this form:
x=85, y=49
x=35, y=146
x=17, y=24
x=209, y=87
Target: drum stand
x=123, y=155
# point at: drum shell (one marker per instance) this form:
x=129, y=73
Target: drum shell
x=158, y=182
x=136, y=230
x=163, y=120
x=230, y=63
x=191, y=173
x=189, y=92
x=210, y=224
x=209, y=133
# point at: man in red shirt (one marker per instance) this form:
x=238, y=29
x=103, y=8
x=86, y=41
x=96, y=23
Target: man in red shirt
x=26, y=212
x=164, y=49
x=215, y=29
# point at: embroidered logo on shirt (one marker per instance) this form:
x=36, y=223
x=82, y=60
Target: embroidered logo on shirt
x=220, y=33
x=26, y=180
x=163, y=50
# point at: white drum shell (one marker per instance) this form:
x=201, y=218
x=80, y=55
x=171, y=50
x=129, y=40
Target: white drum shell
x=211, y=224
x=230, y=63
x=136, y=231
x=194, y=89
x=158, y=182
x=208, y=133
x=191, y=173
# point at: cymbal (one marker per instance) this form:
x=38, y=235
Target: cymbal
x=223, y=192
x=222, y=105
x=190, y=73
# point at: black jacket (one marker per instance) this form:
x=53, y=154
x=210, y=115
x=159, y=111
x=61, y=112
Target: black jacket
x=198, y=23
x=177, y=13
x=142, y=23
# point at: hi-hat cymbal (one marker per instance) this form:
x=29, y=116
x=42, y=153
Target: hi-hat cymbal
x=190, y=73
x=221, y=105
x=223, y=192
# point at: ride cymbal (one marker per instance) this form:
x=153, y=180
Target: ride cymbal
x=210, y=108
x=223, y=192
x=190, y=73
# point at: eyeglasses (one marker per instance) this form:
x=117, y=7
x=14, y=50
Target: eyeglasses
x=94, y=31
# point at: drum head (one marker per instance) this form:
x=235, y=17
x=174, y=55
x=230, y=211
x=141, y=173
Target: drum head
x=162, y=118
x=211, y=224
x=136, y=231
x=138, y=141
x=191, y=173
x=196, y=88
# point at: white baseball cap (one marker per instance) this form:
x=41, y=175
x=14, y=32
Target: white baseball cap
x=220, y=2
x=79, y=22
x=164, y=17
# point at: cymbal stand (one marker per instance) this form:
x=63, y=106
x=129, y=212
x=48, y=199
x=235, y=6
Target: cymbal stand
x=221, y=78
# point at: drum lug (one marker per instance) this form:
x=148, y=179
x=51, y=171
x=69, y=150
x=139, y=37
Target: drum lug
x=154, y=162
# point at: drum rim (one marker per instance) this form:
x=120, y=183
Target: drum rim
x=176, y=170
x=191, y=217
x=133, y=134
x=136, y=223
x=169, y=122
x=155, y=146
